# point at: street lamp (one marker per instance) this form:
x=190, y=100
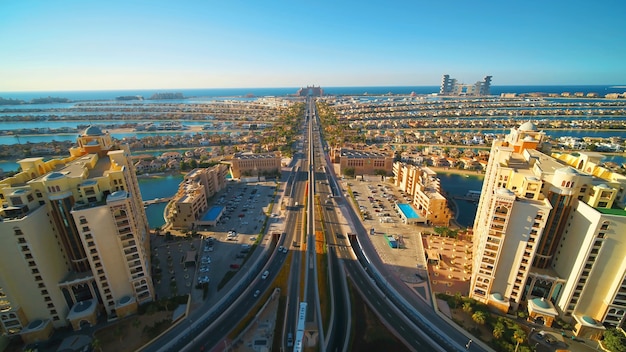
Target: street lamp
x=467, y=345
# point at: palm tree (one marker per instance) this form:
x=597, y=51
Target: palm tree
x=498, y=330
x=518, y=336
x=480, y=317
x=467, y=307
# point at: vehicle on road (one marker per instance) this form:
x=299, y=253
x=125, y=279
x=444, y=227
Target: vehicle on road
x=289, y=340
x=235, y=266
x=265, y=275
x=285, y=250
x=257, y=293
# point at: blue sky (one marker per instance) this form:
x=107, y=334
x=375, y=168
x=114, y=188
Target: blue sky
x=76, y=45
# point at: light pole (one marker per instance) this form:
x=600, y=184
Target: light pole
x=467, y=345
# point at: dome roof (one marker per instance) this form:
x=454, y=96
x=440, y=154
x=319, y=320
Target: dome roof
x=603, y=186
x=498, y=296
x=589, y=320
x=505, y=192
x=541, y=303
x=54, y=176
x=568, y=170
x=93, y=131
x=529, y=139
x=528, y=126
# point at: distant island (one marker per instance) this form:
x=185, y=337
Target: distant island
x=163, y=96
x=47, y=100
x=129, y=97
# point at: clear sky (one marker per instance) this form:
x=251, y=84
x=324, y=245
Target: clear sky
x=98, y=45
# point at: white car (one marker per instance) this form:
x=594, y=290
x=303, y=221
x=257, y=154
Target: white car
x=285, y=250
x=265, y=275
x=280, y=249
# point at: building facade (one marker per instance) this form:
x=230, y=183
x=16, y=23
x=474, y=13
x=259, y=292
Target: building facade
x=549, y=235
x=75, y=240
x=424, y=188
x=363, y=162
x=451, y=87
x=191, y=200
x=255, y=165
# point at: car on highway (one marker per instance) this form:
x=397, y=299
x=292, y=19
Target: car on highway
x=235, y=266
x=289, y=340
x=285, y=250
x=265, y=275
x=257, y=293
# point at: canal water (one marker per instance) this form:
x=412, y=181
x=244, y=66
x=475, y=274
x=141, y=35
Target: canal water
x=454, y=185
x=458, y=185
x=158, y=187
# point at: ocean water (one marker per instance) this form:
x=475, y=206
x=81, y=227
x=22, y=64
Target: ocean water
x=95, y=95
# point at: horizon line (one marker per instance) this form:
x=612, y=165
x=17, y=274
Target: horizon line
x=295, y=87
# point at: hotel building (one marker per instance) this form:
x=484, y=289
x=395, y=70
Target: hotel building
x=255, y=164
x=549, y=235
x=424, y=188
x=451, y=87
x=74, y=240
x=363, y=162
x=191, y=200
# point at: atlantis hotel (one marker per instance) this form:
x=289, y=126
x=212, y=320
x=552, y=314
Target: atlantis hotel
x=550, y=235
x=74, y=240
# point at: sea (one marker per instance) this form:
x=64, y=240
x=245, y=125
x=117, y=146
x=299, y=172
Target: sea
x=252, y=93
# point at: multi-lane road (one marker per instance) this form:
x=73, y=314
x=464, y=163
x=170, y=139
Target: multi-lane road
x=349, y=256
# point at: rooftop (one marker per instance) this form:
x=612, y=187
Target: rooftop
x=612, y=211
x=358, y=154
x=249, y=156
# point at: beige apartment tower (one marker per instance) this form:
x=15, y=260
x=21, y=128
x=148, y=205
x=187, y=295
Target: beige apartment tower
x=74, y=240
x=424, y=188
x=550, y=235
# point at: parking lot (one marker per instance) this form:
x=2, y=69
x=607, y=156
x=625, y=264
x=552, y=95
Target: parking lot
x=376, y=202
x=219, y=250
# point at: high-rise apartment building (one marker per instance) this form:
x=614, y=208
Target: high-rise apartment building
x=74, y=240
x=450, y=86
x=550, y=235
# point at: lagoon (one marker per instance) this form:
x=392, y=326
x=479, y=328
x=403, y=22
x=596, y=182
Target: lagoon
x=458, y=185
x=152, y=187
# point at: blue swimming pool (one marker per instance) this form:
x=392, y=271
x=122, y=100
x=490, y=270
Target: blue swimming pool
x=408, y=211
x=213, y=213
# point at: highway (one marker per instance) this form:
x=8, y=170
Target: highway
x=413, y=321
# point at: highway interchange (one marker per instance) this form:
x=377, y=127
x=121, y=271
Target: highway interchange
x=351, y=256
